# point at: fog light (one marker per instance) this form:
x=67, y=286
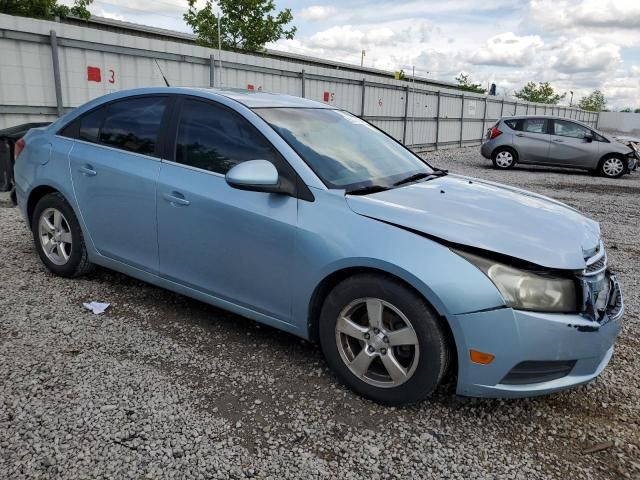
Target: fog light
x=481, y=357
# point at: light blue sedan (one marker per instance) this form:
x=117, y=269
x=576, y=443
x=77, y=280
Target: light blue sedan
x=311, y=220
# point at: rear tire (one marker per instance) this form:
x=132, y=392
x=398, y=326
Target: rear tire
x=58, y=237
x=612, y=166
x=383, y=340
x=504, y=158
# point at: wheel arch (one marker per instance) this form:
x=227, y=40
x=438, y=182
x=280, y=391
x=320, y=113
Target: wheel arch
x=34, y=197
x=329, y=282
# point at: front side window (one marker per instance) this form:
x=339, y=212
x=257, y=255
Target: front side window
x=215, y=139
x=534, y=125
x=569, y=129
x=133, y=125
x=343, y=150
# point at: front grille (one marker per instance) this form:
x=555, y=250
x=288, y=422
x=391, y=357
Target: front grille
x=596, y=264
x=596, y=267
x=529, y=372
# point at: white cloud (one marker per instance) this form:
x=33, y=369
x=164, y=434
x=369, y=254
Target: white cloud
x=346, y=37
x=584, y=54
x=507, y=49
x=563, y=14
x=317, y=12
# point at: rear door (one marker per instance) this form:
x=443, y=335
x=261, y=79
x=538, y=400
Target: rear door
x=114, y=167
x=531, y=140
x=570, y=148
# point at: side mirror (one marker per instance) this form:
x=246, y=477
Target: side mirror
x=254, y=175
x=588, y=137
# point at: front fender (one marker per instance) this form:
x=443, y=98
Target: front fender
x=449, y=282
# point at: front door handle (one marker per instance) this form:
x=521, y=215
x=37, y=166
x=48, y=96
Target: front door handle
x=557, y=140
x=176, y=199
x=88, y=171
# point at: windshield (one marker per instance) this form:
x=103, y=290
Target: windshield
x=344, y=151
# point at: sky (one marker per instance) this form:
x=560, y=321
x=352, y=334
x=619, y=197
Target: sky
x=576, y=45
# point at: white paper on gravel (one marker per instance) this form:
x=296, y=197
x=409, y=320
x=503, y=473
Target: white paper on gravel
x=96, y=307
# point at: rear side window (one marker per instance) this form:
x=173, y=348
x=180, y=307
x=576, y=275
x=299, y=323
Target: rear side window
x=89, y=129
x=512, y=123
x=534, y=125
x=133, y=125
x=213, y=138
x=569, y=129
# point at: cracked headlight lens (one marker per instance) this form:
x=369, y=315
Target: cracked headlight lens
x=525, y=290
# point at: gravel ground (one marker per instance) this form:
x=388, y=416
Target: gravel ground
x=162, y=386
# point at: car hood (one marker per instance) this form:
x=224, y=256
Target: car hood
x=489, y=216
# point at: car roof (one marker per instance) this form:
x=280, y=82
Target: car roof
x=248, y=98
x=548, y=117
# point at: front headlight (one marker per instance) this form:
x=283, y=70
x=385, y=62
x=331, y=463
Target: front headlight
x=526, y=290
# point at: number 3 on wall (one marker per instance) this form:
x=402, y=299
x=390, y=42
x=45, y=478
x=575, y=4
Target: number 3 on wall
x=112, y=76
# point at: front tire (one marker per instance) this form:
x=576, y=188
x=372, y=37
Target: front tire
x=612, y=166
x=383, y=340
x=504, y=158
x=58, y=237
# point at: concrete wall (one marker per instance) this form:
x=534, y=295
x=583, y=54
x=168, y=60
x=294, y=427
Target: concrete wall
x=47, y=68
x=620, y=122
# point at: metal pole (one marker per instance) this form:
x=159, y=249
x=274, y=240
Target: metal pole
x=302, y=78
x=406, y=110
x=527, y=109
x=219, y=51
x=56, y=71
x=362, y=101
x=438, y=120
x=502, y=108
x=515, y=108
x=212, y=70
x=484, y=120
x=413, y=104
x=461, y=120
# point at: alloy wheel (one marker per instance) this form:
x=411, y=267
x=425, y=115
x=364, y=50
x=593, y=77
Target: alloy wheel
x=55, y=236
x=612, y=167
x=504, y=159
x=377, y=342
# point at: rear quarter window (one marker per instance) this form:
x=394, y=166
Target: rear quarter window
x=512, y=123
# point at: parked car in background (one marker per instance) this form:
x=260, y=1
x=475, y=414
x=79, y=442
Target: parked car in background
x=313, y=221
x=556, y=141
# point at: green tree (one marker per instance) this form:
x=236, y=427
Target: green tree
x=245, y=24
x=540, y=93
x=465, y=83
x=45, y=9
x=626, y=110
x=593, y=102
x=637, y=110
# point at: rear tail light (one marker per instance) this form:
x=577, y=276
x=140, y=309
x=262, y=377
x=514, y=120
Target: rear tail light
x=494, y=132
x=20, y=144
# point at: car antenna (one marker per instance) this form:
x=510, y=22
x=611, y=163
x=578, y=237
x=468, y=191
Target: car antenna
x=163, y=77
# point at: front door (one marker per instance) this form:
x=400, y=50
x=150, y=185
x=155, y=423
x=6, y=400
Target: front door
x=233, y=244
x=570, y=148
x=114, y=167
x=532, y=140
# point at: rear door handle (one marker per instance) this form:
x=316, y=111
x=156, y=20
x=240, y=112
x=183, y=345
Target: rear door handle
x=88, y=171
x=520, y=135
x=558, y=140
x=176, y=199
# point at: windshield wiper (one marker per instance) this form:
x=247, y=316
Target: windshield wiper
x=419, y=176
x=367, y=190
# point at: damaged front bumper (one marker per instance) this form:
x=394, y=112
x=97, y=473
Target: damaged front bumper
x=538, y=353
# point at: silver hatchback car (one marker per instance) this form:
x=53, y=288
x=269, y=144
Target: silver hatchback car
x=556, y=141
